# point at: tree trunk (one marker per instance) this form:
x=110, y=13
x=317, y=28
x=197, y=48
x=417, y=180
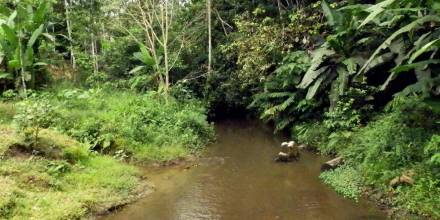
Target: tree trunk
x=208, y=6
x=22, y=68
x=69, y=34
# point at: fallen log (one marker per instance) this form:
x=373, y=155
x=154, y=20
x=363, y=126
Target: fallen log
x=332, y=164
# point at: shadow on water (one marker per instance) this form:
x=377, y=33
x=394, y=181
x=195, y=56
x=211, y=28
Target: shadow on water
x=237, y=179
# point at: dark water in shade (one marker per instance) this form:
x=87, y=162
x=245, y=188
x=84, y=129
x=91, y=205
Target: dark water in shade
x=238, y=180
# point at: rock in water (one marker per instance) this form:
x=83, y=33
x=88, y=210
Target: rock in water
x=283, y=157
x=292, y=152
x=287, y=157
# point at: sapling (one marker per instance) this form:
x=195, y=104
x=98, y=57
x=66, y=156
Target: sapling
x=32, y=116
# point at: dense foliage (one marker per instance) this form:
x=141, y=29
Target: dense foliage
x=354, y=78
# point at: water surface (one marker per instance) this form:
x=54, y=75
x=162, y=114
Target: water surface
x=237, y=179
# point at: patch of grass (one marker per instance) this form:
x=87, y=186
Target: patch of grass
x=8, y=138
x=162, y=153
x=7, y=112
x=51, y=144
x=78, y=183
x=345, y=180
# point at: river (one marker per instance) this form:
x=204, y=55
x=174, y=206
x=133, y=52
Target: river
x=237, y=179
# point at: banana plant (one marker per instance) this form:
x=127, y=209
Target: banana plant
x=336, y=61
x=405, y=33
x=415, y=44
x=147, y=62
x=22, y=30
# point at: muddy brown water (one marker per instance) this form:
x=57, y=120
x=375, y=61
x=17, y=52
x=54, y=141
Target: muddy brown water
x=237, y=179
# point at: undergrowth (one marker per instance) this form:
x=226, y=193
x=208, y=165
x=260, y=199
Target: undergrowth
x=143, y=127
x=403, y=140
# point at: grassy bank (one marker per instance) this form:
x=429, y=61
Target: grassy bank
x=402, y=141
x=58, y=178
x=78, y=162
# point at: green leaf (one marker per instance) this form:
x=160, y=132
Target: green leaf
x=14, y=64
x=138, y=55
x=4, y=10
x=27, y=76
x=144, y=55
x=351, y=65
x=37, y=32
x=333, y=16
x=379, y=60
x=375, y=11
x=40, y=12
x=407, y=67
x=313, y=72
x=28, y=57
x=136, y=69
x=49, y=36
x=10, y=35
x=4, y=75
x=11, y=18
x=314, y=89
x=425, y=48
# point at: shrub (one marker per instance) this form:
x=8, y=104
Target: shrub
x=343, y=117
x=423, y=197
x=393, y=142
x=432, y=152
x=9, y=95
x=337, y=141
x=32, y=116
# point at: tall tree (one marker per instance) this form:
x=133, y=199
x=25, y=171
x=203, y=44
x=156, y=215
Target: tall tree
x=208, y=7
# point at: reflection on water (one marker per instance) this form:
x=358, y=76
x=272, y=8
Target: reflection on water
x=237, y=179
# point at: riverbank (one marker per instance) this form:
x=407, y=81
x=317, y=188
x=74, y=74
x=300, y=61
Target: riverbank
x=393, y=158
x=85, y=159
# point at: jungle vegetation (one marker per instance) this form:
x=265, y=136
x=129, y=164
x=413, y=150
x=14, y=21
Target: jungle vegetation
x=353, y=78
